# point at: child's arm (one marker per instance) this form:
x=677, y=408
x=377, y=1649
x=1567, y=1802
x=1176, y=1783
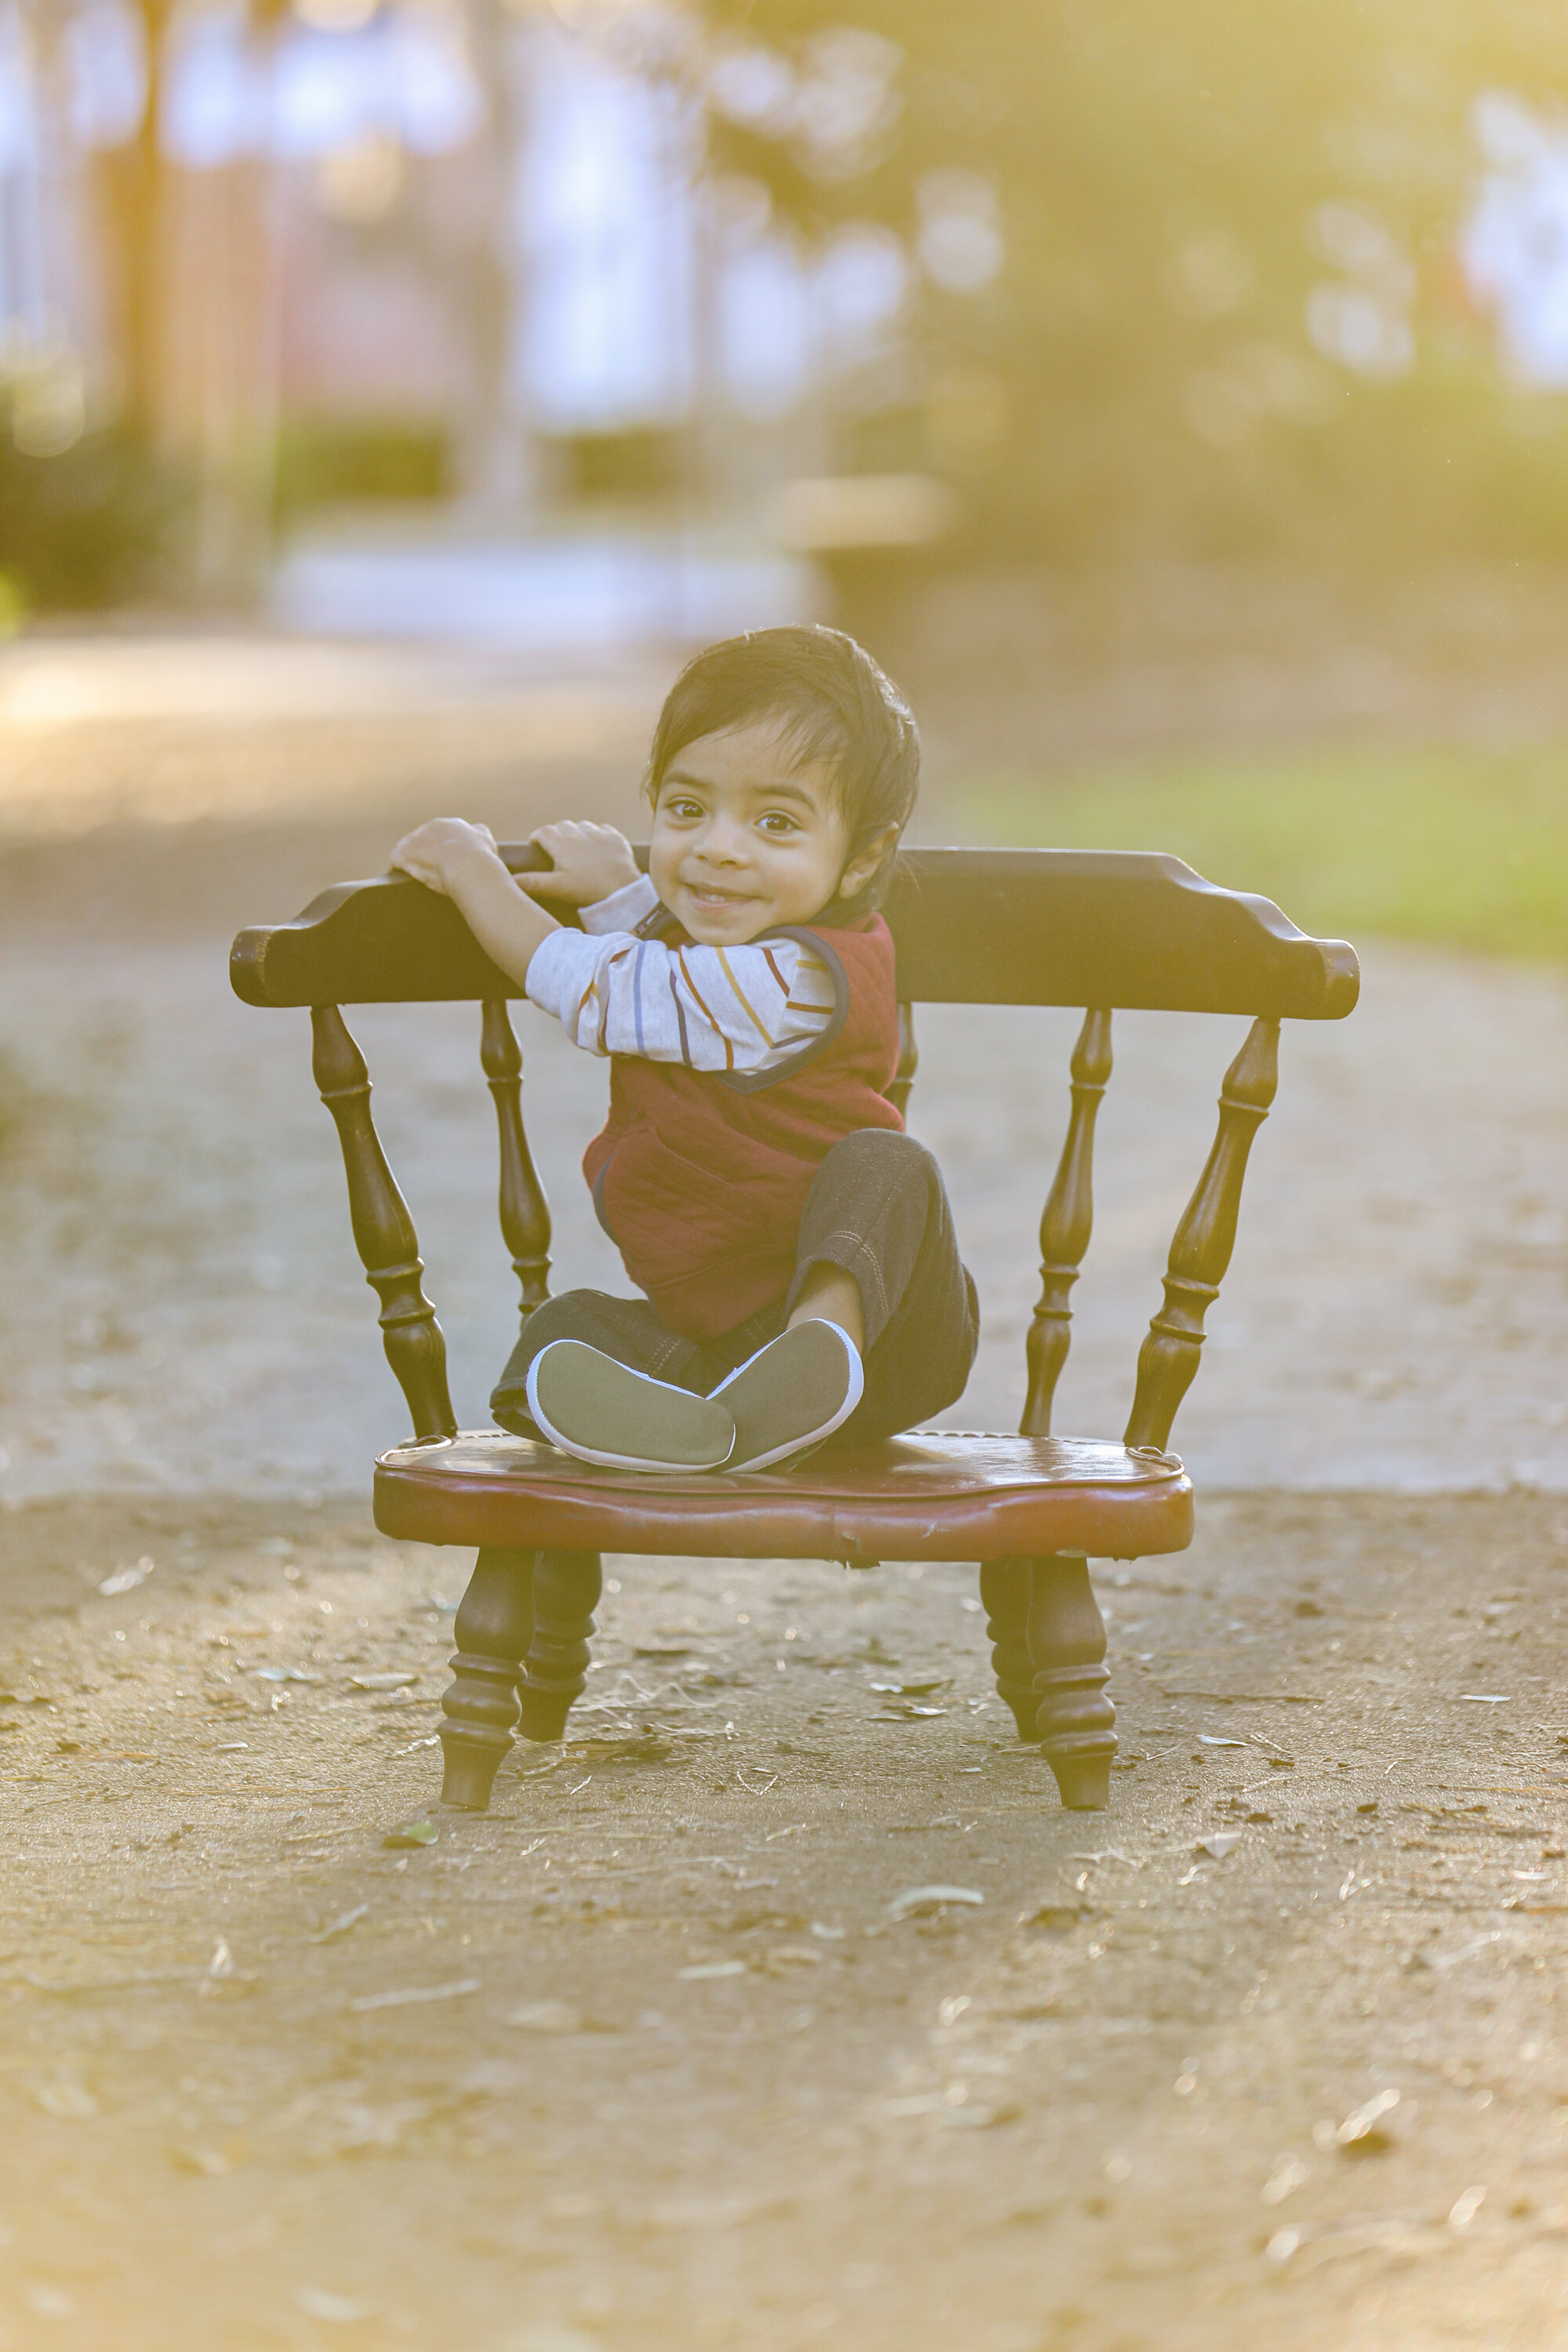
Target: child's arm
x=462, y=862
x=739, y=1011
x=589, y=862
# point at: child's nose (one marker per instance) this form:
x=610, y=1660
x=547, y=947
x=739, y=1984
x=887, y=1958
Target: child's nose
x=723, y=844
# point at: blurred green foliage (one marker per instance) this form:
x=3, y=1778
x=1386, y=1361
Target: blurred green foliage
x=1451, y=847
x=98, y=524
x=643, y=462
x=321, y=459
x=1138, y=372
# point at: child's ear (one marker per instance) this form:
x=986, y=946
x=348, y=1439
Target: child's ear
x=864, y=862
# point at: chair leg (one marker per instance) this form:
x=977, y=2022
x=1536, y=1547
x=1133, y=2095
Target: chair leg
x=494, y=1626
x=566, y=1587
x=1005, y=1590
x=1066, y=1644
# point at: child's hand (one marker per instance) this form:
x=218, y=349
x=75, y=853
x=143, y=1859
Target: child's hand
x=590, y=861
x=434, y=853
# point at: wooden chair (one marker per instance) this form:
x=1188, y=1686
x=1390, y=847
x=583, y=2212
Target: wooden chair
x=973, y=926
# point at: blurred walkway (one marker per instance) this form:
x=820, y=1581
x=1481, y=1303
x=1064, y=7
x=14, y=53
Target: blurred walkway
x=99, y=729
x=391, y=662
x=580, y=595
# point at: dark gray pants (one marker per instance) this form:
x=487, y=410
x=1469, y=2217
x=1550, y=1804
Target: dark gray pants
x=878, y=1209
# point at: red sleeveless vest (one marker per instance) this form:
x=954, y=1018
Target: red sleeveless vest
x=700, y=1178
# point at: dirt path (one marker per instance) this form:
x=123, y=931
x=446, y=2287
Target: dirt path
x=645, y=2059
x=1115, y=2102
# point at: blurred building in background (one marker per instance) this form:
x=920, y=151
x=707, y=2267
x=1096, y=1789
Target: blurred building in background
x=629, y=318
x=1515, y=242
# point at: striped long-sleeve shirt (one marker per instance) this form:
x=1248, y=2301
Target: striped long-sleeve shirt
x=746, y=1009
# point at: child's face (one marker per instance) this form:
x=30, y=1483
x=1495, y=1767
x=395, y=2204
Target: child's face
x=746, y=836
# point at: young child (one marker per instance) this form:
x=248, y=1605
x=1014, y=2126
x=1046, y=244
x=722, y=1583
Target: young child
x=795, y=1248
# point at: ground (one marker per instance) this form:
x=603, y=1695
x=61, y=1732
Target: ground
x=648, y=2056
x=653, y=2054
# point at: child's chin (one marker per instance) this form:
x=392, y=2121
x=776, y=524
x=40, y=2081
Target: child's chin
x=712, y=938
x=711, y=931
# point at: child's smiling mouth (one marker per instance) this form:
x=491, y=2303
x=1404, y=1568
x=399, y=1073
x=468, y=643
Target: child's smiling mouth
x=709, y=894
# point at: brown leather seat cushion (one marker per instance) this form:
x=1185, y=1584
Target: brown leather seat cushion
x=938, y=1495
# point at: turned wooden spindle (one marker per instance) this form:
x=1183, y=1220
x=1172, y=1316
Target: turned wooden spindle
x=383, y=1229
x=1204, y=1241
x=1074, y=1718
x=1004, y=1586
x=909, y=1062
x=494, y=1626
x=1066, y=1226
x=566, y=1588
x=524, y=1214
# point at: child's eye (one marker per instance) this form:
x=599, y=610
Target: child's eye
x=683, y=808
x=776, y=822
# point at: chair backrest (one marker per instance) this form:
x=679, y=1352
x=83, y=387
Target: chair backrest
x=1114, y=927
x=1097, y=929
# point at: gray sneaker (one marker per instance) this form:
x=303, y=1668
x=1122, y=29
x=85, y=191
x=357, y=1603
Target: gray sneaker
x=601, y=1411
x=791, y=1394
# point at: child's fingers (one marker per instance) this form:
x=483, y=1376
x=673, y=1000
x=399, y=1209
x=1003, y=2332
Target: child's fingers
x=586, y=863
x=552, y=839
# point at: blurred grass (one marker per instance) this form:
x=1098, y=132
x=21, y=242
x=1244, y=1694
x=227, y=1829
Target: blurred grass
x=1452, y=846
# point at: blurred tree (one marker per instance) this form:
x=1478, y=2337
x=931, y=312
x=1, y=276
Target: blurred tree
x=89, y=514
x=1186, y=274
x=133, y=216
x=496, y=467
x=90, y=526
x=190, y=297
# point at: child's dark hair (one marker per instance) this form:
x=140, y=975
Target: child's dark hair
x=832, y=702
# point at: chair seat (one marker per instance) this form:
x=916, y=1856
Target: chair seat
x=936, y=1494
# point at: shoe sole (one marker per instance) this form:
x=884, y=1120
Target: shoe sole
x=600, y=1456
x=810, y=1438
